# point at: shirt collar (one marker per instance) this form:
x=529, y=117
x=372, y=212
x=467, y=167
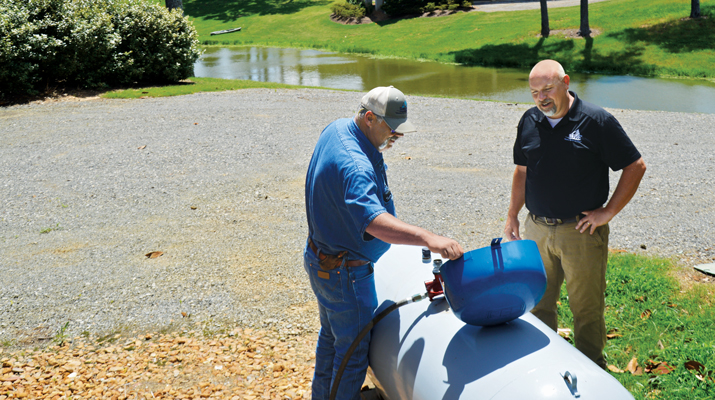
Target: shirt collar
x=575, y=110
x=367, y=147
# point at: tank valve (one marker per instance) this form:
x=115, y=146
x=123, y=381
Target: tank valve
x=426, y=255
x=434, y=287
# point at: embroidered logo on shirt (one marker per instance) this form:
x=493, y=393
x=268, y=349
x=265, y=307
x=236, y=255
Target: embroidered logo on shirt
x=574, y=136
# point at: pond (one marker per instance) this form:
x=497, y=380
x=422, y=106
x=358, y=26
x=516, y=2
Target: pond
x=346, y=71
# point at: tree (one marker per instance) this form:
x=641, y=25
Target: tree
x=584, y=31
x=695, y=9
x=172, y=4
x=544, y=19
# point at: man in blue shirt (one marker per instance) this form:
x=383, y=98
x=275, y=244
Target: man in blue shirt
x=351, y=223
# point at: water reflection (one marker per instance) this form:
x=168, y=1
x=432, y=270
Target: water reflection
x=344, y=71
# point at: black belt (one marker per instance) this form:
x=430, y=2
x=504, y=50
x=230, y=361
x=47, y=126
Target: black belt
x=321, y=256
x=557, y=221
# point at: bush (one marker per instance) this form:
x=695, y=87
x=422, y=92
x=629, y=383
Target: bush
x=349, y=10
x=396, y=8
x=92, y=44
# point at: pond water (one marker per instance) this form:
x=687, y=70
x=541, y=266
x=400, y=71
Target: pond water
x=346, y=71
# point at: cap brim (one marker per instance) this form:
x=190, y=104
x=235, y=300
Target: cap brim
x=400, y=125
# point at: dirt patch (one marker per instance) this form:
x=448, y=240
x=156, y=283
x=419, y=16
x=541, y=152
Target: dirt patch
x=688, y=277
x=54, y=95
x=573, y=33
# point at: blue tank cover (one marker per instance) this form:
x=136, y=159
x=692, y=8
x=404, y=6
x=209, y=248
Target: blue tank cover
x=495, y=284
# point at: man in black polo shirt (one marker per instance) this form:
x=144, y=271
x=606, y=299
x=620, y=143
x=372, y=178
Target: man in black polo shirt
x=563, y=150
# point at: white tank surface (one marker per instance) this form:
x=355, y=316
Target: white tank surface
x=423, y=351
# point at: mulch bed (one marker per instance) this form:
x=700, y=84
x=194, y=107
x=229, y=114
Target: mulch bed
x=378, y=16
x=244, y=364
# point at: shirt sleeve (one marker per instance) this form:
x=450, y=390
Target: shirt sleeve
x=617, y=149
x=362, y=198
x=519, y=156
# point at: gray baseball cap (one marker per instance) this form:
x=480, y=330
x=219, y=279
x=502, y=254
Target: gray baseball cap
x=390, y=104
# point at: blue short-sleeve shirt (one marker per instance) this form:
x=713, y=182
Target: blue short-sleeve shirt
x=345, y=189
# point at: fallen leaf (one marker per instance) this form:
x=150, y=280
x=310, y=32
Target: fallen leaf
x=698, y=368
x=141, y=147
x=632, y=366
x=613, y=333
x=694, y=366
x=663, y=369
x=154, y=254
x=183, y=314
x=646, y=314
x=615, y=369
x=193, y=207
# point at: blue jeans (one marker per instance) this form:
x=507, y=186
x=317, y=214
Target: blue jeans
x=346, y=301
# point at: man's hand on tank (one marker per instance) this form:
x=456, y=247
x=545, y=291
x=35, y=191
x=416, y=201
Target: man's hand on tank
x=446, y=247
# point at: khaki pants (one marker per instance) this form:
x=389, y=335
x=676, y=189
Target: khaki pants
x=581, y=259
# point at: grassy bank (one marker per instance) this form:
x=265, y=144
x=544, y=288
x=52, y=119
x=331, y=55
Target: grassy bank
x=666, y=326
x=653, y=38
x=195, y=85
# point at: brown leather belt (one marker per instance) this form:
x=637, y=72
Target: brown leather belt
x=321, y=256
x=557, y=221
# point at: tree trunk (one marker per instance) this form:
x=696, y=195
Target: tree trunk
x=172, y=4
x=694, y=8
x=584, y=31
x=544, y=19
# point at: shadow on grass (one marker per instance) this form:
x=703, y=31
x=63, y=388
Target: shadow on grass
x=588, y=59
x=675, y=36
x=230, y=10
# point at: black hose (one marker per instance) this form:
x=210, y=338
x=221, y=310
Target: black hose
x=363, y=332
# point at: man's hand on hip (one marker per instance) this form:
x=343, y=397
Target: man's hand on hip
x=593, y=219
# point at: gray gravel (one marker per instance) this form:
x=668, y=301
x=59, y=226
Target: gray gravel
x=215, y=181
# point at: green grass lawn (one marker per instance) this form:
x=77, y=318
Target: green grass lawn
x=648, y=38
x=195, y=85
x=663, y=325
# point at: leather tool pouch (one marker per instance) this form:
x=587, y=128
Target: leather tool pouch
x=331, y=262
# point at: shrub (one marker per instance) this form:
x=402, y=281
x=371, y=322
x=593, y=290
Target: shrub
x=396, y=8
x=92, y=44
x=348, y=10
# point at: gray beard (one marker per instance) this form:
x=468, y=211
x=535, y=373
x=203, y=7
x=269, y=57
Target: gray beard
x=549, y=113
x=384, y=145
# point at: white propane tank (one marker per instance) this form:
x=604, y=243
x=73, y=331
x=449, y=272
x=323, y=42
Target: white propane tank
x=422, y=351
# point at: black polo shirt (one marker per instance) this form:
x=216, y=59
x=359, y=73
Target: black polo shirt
x=567, y=165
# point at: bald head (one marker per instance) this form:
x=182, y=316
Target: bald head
x=549, y=69
x=549, y=86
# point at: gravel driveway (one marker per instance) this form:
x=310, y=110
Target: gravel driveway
x=215, y=182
